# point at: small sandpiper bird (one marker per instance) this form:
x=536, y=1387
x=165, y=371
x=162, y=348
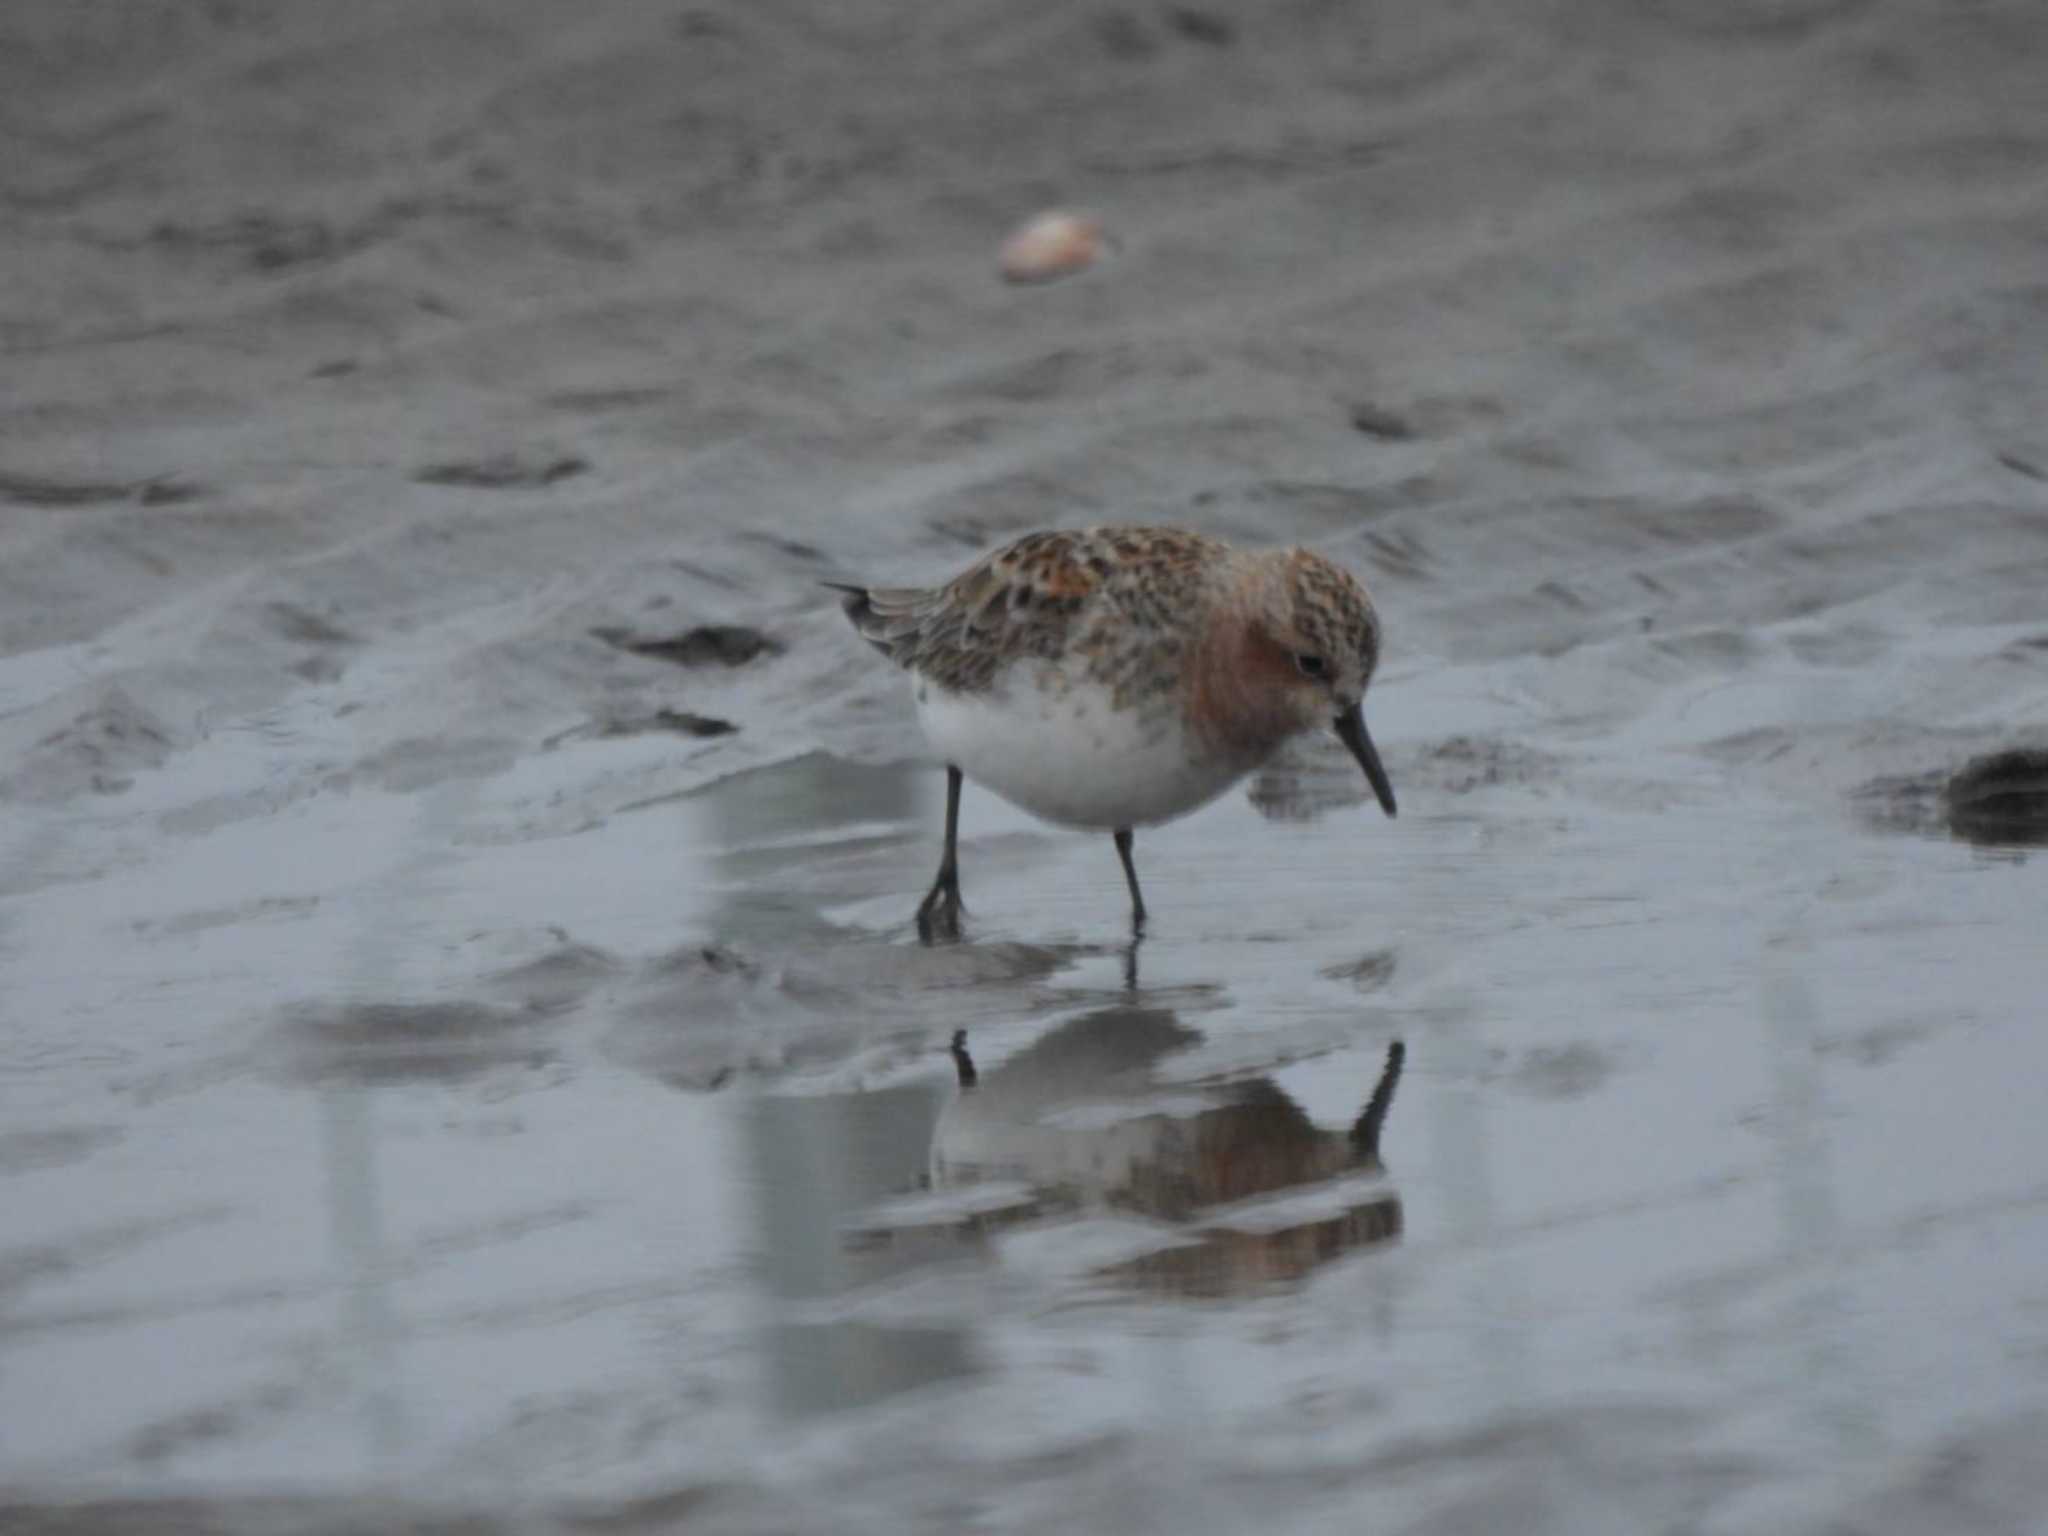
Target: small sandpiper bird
x=1115, y=678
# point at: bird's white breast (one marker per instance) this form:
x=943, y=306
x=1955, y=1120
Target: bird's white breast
x=1062, y=750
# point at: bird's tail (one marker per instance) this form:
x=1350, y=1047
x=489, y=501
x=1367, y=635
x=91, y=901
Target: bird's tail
x=888, y=618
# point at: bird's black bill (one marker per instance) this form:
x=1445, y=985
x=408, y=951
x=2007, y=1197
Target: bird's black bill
x=1351, y=731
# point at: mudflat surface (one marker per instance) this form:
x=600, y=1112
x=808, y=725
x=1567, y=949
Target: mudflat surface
x=464, y=1060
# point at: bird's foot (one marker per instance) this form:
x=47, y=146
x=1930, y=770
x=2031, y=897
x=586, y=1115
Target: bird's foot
x=938, y=915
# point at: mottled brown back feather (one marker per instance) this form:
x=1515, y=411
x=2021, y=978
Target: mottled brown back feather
x=1046, y=595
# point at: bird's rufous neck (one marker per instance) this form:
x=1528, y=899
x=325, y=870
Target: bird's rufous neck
x=1240, y=688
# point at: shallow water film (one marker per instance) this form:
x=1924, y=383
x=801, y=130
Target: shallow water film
x=467, y=1063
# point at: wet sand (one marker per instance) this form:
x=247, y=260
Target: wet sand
x=464, y=1059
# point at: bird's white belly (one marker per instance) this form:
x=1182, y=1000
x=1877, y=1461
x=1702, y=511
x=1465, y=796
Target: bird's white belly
x=1067, y=756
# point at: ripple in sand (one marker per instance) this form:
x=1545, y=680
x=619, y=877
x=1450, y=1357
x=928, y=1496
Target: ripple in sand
x=383, y=1043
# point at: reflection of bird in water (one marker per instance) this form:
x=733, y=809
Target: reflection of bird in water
x=1079, y=1120
x=962, y=1062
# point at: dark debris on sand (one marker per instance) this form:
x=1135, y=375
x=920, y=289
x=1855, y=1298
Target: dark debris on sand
x=501, y=472
x=681, y=721
x=42, y=491
x=2000, y=798
x=730, y=645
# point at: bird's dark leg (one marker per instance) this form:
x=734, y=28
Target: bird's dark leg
x=938, y=915
x=1123, y=851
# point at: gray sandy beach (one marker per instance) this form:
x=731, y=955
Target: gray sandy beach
x=465, y=1059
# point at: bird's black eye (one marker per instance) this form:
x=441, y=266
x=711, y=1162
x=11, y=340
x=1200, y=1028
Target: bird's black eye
x=1312, y=666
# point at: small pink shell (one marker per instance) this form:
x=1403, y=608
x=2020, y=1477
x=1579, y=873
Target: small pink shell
x=1053, y=245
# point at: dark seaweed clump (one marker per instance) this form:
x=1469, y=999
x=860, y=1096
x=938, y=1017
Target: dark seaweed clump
x=2000, y=798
